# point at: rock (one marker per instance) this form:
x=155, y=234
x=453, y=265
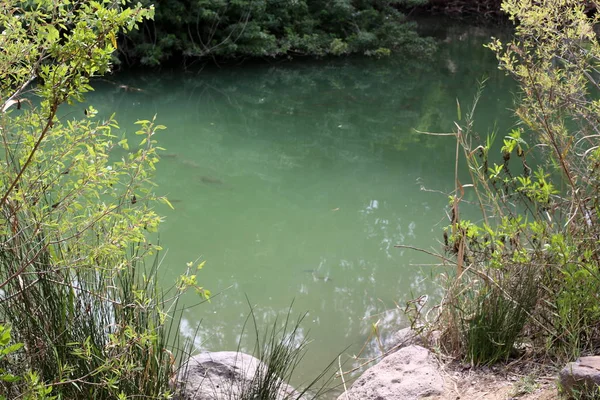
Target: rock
x=581, y=376
x=407, y=337
x=224, y=375
x=410, y=373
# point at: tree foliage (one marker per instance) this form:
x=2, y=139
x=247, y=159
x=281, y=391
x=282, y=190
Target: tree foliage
x=272, y=28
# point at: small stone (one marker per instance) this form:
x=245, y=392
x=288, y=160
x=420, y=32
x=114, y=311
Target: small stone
x=581, y=376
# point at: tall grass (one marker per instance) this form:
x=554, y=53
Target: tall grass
x=282, y=349
x=485, y=315
x=93, y=333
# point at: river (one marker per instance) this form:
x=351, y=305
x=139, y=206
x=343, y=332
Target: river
x=295, y=180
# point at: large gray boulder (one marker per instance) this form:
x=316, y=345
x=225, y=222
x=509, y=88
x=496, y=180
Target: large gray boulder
x=225, y=375
x=581, y=376
x=410, y=373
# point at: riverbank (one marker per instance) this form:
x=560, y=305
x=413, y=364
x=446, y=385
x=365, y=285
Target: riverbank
x=415, y=368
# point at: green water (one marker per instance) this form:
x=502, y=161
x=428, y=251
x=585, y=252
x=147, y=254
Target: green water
x=294, y=181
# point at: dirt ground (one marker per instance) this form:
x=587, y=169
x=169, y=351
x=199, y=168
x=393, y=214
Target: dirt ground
x=522, y=382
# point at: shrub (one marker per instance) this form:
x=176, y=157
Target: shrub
x=82, y=305
x=531, y=266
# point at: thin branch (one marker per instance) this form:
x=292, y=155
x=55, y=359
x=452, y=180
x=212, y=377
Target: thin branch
x=12, y=99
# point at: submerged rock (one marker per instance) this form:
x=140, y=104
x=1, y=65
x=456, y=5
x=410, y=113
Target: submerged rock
x=410, y=373
x=581, y=376
x=225, y=375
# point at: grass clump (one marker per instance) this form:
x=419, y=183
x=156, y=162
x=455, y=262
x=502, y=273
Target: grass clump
x=489, y=313
x=281, y=349
x=266, y=374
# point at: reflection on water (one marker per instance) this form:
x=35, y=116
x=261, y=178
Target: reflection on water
x=295, y=181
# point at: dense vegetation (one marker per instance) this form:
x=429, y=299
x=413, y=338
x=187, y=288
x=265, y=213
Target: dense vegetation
x=81, y=313
x=528, y=272
x=223, y=29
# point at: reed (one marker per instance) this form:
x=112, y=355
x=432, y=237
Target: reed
x=88, y=333
x=282, y=349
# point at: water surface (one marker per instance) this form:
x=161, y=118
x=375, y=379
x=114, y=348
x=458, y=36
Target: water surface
x=294, y=181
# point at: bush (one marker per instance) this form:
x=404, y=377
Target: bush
x=530, y=270
x=76, y=295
